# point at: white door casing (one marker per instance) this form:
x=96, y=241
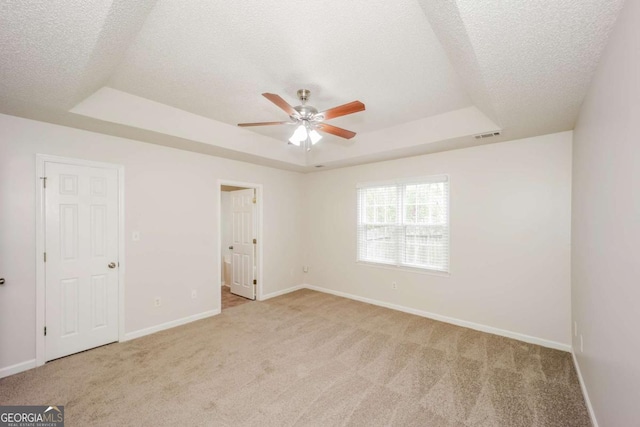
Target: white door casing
x=243, y=252
x=81, y=209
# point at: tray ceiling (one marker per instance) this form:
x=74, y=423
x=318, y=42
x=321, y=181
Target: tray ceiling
x=183, y=74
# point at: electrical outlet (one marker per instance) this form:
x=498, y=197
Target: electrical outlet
x=575, y=328
x=194, y=294
x=394, y=285
x=305, y=269
x=157, y=302
x=581, y=344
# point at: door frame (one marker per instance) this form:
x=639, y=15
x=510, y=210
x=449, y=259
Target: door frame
x=41, y=159
x=259, y=211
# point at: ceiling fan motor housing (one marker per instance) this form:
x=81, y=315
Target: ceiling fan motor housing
x=306, y=112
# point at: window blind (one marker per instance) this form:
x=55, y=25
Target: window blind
x=405, y=223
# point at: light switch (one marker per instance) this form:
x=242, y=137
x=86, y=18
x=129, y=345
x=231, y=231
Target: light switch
x=135, y=236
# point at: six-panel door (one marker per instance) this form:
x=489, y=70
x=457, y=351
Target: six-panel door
x=81, y=226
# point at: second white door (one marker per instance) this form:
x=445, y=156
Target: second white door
x=243, y=252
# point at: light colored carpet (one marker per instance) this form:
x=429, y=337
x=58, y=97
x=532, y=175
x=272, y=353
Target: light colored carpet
x=231, y=300
x=310, y=359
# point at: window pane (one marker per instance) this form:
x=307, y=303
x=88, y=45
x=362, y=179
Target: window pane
x=392, y=214
x=422, y=214
x=370, y=197
x=426, y=247
x=410, y=194
x=379, y=244
x=371, y=214
x=423, y=191
x=380, y=205
x=410, y=214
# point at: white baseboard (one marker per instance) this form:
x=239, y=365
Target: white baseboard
x=464, y=323
x=281, y=292
x=583, y=386
x=17, y=368
x=157, y=328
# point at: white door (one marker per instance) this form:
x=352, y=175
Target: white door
x=243, y=255
x=81, y=268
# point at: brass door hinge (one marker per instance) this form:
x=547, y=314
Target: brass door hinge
x=255, y=241
x=255, y=282
x=45, y=257
x=45, y=331
x=44, y=181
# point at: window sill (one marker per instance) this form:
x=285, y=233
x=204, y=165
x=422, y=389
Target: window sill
x=405, y=268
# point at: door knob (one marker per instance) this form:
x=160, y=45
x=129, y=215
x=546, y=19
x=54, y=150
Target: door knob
x=112, y=265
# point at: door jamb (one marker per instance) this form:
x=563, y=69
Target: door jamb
x=259, y=211
x=41, y=159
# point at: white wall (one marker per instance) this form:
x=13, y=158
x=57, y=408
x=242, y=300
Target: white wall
x=510, y=237
x=170, y=197
x=606, y=228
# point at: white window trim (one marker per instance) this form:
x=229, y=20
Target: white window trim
x=403, y=267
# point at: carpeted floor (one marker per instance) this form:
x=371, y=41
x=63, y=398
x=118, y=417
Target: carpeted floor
x=310, y=359
x=230, y=300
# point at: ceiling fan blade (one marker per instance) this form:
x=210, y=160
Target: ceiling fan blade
x=276, y=99
x=342, y=110
x=334, y=130
x=243, y=125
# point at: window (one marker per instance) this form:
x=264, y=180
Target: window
x=405, y=224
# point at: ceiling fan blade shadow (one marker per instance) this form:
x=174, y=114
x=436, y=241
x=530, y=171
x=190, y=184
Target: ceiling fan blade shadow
x=284, y=105
x=334, y=130
x=342, y=110
x=242, y=125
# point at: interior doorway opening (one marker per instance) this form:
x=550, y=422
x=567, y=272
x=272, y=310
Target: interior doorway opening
x=239, y=243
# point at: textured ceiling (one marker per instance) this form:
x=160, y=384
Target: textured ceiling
x=215, y=58
x=527, y=64
x=56, y=53
x=431, y=73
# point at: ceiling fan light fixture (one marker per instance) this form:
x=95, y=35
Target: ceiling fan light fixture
x=299, y=135
x=315, y=136
x=294, y=141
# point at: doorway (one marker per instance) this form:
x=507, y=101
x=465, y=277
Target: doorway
x=79, y=284
x=239, y=243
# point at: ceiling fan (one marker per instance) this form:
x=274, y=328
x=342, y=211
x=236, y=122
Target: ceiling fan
x=309, y=120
